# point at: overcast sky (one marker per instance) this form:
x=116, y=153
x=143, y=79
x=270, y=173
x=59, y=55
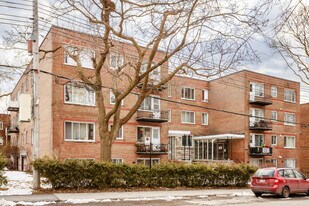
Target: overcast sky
x=20, y=11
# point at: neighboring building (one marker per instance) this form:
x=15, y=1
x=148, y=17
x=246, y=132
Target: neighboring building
x=304, y=138
x=271, y=107
x=4, y=125
x=189, y=125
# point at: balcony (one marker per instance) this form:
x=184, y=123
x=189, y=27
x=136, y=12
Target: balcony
x=13, y=106
x=152, y=116
x=150, y=85
x=155, y=149
x=261, y=125
x=13, y=129
x=260, y=151
x=262, y=101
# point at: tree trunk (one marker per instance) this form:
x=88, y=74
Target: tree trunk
x=106, y=147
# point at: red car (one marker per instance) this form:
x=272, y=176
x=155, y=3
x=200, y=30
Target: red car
x=281, y=181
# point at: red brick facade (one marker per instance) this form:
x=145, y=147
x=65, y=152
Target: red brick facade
x=197, y=109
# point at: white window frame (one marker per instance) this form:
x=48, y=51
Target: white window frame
x=78, y=140
x=205, y=95
x=188, y=139
x=1, y=125
x=86, y=93
x=1, y=140
x=274, y=115
x=205, y=121
x=153, y=98
x=288, y=122
x=169, y=89
x=276, y=140
x=183, y=119
x=169, y=115
x=293, y=162
x=117, y=160
x=290, y=95
x=274, y=91
x=257, y=89
x=120, y=130
x=119, y=59
x=183, y=93
x=151, y=133
x=258, y=162
x=112, y=96
x=252, y=140
x=144, y=160
x=85, y=56
x=288, y=146
x=274, y=161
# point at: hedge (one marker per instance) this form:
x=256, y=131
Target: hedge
x=91, y=174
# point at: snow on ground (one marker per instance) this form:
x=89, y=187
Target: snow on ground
x=19, y=183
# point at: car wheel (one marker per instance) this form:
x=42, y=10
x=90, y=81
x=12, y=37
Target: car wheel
x=285, y=192
x=307, y=192
x=258, y=194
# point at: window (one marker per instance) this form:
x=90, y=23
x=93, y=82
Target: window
x=274, y=140
x=204, y=95
x=187, y=117
x=116, y=61
x=79, y=131
x=274, y=115
x=85, y=56
x=299, y=175
x=257, y=89
x=169, y=89
x=169, y=115
x=1, y=125
x=204, y=118
x=1, y=140
x=274, y=91
x=188, y=93
x=146, y=162
x=258, y=162
x=290, y=163
x=186, y=140
x=148, y=135
x=289, y=142
x=79, y=94
x=273, y=162
x=27, y=84
x=256, y=115
x=117, y=160
x=289, y=119
x=256, y=140
x=155, y=75
x=112, y=99
x=26, y=137
x=120, y=132
x=289, y=95
x=150, y=104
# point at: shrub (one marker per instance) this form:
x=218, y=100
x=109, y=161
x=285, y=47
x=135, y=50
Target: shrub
x=91, y=174
x=3, y=179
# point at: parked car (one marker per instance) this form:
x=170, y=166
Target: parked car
x=281, y=181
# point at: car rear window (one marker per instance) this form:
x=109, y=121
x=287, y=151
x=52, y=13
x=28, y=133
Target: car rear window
x=265, y=173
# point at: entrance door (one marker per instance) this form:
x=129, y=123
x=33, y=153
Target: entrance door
x=172, y=148
x=220, y=151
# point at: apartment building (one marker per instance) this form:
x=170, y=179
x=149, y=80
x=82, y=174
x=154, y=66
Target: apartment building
x=4, y=125
x=265, y=110
x=243, y=117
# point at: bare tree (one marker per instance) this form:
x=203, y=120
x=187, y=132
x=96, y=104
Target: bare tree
x=191, y=37
x=291, y=38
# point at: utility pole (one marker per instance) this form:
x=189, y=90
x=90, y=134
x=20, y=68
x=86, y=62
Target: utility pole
x=36, y=80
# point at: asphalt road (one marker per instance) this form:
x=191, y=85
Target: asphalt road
x=224, y=200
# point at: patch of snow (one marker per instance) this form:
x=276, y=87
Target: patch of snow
x=19, y=183
x=167, y=198
x=241, y=194
x=35, y=203
x=4, y=202
x=77, y=201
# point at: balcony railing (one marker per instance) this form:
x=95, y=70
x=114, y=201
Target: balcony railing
x=263, y=101
x=13, y=129
x=13, y=106
x=261, y=125
x=260, y=151
x=152, y=116
x=150, y=85
x=151, y=148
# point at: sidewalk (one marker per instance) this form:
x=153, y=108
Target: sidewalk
x=110, y=196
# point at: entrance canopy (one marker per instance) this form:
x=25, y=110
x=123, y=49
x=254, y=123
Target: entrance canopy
x=178, y=133
x=220, y=136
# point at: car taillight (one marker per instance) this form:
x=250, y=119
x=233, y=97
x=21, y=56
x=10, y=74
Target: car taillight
x=276, y=181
